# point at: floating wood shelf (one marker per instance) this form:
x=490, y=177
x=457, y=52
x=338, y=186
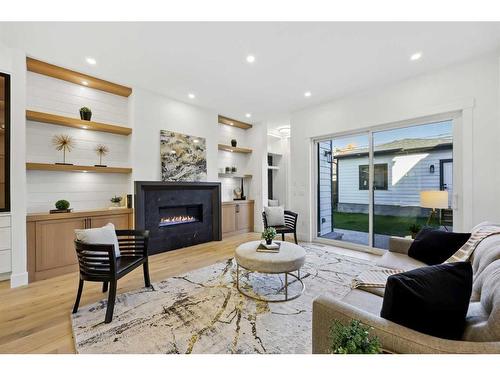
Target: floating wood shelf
x=231, y=122
x=52, y=119
x=75, y=168
x=242, y=150
x=81, y=79
x=232, y=175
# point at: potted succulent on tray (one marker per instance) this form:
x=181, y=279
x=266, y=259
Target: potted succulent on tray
x=61, y=207
x=268, y=235
x=116, y=201
x=85, y=113
x=353, y=338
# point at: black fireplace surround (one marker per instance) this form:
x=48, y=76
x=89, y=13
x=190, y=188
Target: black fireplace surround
x=178, y=214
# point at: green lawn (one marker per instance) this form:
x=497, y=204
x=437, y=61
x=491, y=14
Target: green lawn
x=383, y=224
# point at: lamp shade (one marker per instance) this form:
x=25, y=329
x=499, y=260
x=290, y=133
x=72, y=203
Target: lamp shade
x=434, y=199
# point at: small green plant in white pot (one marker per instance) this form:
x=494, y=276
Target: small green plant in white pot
x=116, y=201
x=268, y=235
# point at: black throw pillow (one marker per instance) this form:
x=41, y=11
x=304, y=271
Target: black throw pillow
x=434, y=246
x=432, y=300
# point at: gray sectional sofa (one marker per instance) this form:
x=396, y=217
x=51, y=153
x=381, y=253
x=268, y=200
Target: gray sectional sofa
x=482, y=333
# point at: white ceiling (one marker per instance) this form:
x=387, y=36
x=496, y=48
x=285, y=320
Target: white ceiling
x=208, y=59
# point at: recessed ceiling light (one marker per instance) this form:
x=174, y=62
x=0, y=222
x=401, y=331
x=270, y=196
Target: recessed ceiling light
x=250, y=59
x=85, y=83
x=90, y=60
x=416, y=56
x=248, y=115
x=307, y=94
x=191, y=96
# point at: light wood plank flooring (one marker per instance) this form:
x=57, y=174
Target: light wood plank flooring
x=36, y=318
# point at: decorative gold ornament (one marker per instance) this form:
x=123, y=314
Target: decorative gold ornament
x=63, y=143
x=101, y=150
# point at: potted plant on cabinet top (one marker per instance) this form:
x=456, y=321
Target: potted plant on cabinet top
x=116, y=201
x=85, y=113
x=233, y=142
x=61, y=207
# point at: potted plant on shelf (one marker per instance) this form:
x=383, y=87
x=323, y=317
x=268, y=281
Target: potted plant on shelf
x=116, y=201
x=353, y=338
x=85, y=113
x=414, y=229
x=268, y=235
x=61, y=207
x=233, y=142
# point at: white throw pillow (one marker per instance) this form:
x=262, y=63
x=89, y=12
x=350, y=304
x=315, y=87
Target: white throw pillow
x=273, y=202
x=275, y=216
x=99, y=236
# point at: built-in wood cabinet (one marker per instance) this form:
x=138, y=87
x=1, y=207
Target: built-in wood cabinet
x=51, y=249
x=237, y=217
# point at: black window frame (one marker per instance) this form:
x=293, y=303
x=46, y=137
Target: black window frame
x=7, y=99
x=362, y=172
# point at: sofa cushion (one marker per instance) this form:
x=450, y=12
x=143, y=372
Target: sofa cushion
x=364, y=301
x=433, y=246
x=432, y=300
x=399, y=261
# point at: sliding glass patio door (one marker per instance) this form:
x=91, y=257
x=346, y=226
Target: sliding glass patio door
x=383, y=183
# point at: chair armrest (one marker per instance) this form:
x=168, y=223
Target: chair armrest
x=399, y=245
x=393, y=337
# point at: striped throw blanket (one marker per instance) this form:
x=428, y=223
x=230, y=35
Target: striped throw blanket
x=478, y=234
x=373, y=278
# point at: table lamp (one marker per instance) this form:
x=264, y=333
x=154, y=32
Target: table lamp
x=434, y=199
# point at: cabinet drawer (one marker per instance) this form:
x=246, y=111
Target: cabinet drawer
x=5, y=261
x=4, y=221
x=5, y=239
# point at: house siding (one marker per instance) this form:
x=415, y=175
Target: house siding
x=407, y=176
x=325, y=189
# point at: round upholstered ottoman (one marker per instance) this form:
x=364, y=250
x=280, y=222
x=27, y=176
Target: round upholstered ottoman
x=290, y=258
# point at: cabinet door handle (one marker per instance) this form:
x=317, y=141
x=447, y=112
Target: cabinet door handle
x=237, y=208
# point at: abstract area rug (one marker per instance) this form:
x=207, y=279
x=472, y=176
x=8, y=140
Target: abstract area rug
x=203, y=312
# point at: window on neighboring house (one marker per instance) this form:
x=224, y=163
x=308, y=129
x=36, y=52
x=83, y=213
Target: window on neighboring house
x=380, y=177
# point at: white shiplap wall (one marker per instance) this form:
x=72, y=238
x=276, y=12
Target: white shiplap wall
x=229, y=159
x=83, y=190
x=407, y=176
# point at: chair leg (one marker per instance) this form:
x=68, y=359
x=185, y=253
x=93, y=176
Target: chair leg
x=105, y=287
x=295, y=237
x=111, y=302
x=78, y=295
x=145, y=267
x=282, y=236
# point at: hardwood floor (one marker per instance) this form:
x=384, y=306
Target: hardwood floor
x=36, y=318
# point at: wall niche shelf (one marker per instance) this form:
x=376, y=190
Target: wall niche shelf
x=242, y=150
x=81, y=79
x=232, y=175
x=223, y=120
x=75, y=168
x=58, y=120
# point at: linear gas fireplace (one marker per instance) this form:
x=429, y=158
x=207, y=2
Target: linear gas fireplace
x=178, y=214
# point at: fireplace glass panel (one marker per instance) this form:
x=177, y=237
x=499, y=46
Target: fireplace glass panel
x=175, y=215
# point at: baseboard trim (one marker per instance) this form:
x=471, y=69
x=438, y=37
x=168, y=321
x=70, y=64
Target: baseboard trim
x=19, y=279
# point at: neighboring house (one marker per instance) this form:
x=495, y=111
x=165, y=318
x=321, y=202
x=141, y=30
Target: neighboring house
x=402, y=170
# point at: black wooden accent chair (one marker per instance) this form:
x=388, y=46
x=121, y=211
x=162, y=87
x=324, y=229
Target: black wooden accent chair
x=99, y=263
x=289, y=227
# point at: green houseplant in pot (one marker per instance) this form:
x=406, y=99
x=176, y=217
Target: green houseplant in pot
x=268, y=235
x=62, y=205
x=353, y=338
x=85, y=113
x=116, y=201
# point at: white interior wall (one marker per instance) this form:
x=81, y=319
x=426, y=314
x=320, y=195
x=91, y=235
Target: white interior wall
x=475, y=81
x=82, y=190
